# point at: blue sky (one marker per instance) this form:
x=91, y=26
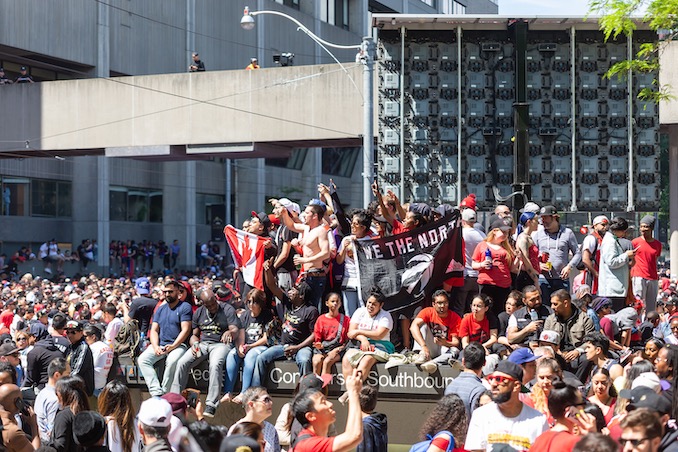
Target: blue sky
x=544, y=7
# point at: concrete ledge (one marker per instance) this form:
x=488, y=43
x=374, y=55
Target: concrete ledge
x=403, y=381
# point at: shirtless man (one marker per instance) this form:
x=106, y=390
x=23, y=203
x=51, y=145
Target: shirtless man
x=315, y=246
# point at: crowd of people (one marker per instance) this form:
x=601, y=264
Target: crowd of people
x=547, y=360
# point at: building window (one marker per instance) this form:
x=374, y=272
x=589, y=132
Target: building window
x=431, y=3
x=291, y=3
x=339, y=161
x=452, y=7
x=207, y=206
x=294, y=161
x=15, y=196
x=335, y=12
x=137, y=205
x=50, y=198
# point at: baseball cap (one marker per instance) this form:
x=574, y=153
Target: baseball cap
x=74, y=325
x=263, y=218
x=421, y=208
x=646, y=398
x=176, y=401
x=550, y=336
x=313, y=381
x=647, y=380
x=522, y=356
x=23, y=68
x=317, y=202
x=468, y=215
x=444, y=210
x=155, y=412
x=7, y=349
x=88, y=428
x=548, y=210
x=143, y=286
x=500, y=224
x=530, y=207
x=600, y=219
x=511, y=369
x=289, y=205
x=273, y=219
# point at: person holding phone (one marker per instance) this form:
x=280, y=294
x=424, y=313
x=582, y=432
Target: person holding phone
x=613, y=275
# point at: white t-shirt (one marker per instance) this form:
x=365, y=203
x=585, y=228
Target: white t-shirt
x=112, y=330
x=472, y=237
x=102, y=355
x=590, y=243
x=367, y=323
x=44, y=250
x=489, y=426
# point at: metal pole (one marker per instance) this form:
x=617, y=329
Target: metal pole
x=630, y=98
x=573, y=122
x=228, y=190
x=521, y=162
x=401, y=192
x=368, y=118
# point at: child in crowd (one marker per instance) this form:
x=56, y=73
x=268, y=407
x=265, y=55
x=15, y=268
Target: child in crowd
x=330, y=333
x=477, y=326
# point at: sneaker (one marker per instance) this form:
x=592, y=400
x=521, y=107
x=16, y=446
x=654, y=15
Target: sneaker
x=429, y=367
x=419, y=359
x=210, y=411
x=48, y=270
x=343, y=399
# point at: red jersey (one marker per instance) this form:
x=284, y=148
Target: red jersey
x=646, y=258
x=476, y=331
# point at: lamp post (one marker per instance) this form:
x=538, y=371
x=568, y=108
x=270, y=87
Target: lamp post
x=365, y=56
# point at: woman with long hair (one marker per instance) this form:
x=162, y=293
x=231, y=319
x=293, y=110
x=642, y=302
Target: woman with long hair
x=72, y=398
x=495, y=260
x=448, y=415
x=477, y=325
x=527, y=251
x=571, y=422
x=115, y=404
x=254, y=321
x=548, y=371
x=603, y=393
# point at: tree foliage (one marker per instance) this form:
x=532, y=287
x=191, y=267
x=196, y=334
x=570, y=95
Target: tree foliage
x=620, y=17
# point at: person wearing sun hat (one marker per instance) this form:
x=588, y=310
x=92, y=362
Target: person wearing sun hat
x=644, y=275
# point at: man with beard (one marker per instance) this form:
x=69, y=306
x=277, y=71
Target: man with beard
x=169, y=333
x=507, y=422
x=664, y=367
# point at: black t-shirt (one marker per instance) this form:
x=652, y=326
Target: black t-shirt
x=282, y=235
x=254, y=326
x=298, y=323
x=141, y=310
x=212, y=327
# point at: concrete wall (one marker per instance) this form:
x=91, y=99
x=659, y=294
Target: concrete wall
x=267, y=105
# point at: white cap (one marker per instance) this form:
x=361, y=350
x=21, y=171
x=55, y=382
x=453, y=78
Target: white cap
x=289, y=205
x=600, y=219
x=468, y=215
x=550, y=336
x=155, y=412
x=530, y=207
x=647, y=380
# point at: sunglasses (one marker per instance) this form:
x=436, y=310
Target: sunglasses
x=71, y=331
x=499, y=379
x=634, y=442
x=266, y=399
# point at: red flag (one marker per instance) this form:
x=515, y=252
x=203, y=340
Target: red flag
x=248, y=254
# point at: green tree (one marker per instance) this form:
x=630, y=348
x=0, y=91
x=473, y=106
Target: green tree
x=620, y=17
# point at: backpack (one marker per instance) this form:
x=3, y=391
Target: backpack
x=422, y=446
x=128, y=340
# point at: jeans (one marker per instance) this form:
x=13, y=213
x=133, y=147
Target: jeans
x=548, y=286
x=317, y=284
x=147, y=360
x=216, y=352
x=233, y=364
x=351, y=300
x=303, y=359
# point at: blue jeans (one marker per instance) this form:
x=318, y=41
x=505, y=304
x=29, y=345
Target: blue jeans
x=317, y=284
x=351, y=301
x=303, y=359
x=233, y=364
x=548, y=286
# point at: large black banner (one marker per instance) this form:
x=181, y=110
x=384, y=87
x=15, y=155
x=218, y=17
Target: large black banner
x=408, y=267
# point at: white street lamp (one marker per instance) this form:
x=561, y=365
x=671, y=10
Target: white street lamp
x=366, y=52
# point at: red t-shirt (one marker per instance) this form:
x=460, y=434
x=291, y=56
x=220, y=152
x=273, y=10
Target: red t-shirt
x=646, y=258
x=555, y=441
x=398, y=228
x=500, y=273
x=313, y=443
x=326, y=328
x=476, y=331
x=445, y=328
